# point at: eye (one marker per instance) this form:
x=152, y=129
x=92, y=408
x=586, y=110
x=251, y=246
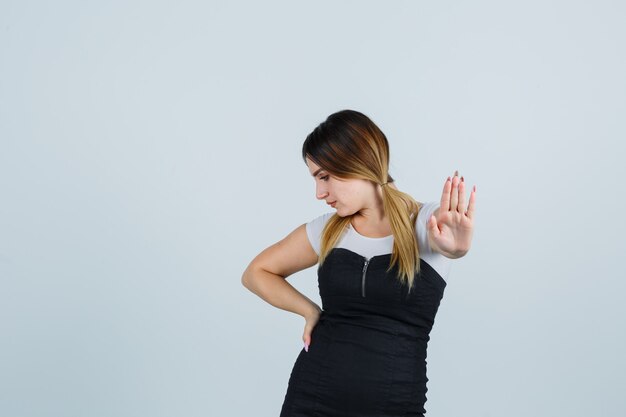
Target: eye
x=324, y=178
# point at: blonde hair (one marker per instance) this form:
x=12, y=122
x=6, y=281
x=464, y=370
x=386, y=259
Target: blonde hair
x=350, y=146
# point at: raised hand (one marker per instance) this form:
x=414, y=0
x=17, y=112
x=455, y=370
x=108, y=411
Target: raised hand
x=451, y=227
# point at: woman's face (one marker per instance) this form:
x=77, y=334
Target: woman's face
x=349, y=196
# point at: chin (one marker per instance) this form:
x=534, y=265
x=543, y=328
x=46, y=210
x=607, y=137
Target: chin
x=342, y=213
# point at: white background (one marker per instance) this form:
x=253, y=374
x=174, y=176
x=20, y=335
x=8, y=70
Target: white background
x=149, y=150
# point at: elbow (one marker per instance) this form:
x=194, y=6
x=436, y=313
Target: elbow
x=245, y=278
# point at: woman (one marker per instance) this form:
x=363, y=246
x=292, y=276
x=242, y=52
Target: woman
x=383, y=260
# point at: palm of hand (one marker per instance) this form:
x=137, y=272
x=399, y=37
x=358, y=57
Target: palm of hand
x=451, y=227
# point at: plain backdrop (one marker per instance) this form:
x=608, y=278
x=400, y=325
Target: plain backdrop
x=150, y=150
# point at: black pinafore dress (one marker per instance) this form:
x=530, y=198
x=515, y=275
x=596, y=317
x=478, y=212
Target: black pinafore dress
x=368, y=350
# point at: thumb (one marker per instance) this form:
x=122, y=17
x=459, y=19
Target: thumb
x=432, y=224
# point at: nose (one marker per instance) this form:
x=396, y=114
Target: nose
x=320, y=192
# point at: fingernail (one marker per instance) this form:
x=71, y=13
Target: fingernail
x=306, y=347
x=462, y=180
x=448, y=179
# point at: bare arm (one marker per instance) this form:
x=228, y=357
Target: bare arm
x=265, y=275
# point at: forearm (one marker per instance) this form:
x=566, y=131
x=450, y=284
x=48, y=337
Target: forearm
x=277, y=291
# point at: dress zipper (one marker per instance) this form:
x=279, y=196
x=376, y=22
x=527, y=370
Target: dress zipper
x=363, y=278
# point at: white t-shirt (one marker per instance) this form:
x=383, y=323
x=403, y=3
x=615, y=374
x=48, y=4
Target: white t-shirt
x=372, y=246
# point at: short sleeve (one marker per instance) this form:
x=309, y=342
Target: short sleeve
x=437, y=261
x=314, y=230
x=422, y=231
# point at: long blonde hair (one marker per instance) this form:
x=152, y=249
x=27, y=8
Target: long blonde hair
x=350, y=146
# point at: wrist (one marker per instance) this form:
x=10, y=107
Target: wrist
x=312, y=311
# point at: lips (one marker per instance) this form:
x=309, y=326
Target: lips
x=332, y=204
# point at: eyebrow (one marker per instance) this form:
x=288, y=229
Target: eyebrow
x=316, y=172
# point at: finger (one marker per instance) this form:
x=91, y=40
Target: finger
x=445, y=196
x=454, y=193
x=461, y=207
x=432, y=225
x=472, y=204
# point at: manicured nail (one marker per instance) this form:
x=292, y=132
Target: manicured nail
x=462, y=179
x=306, y=347
x=448, y=179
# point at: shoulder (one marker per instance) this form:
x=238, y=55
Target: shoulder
x=315, y=227
x=425, y=211
x=432, y=257
x=320, y=220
